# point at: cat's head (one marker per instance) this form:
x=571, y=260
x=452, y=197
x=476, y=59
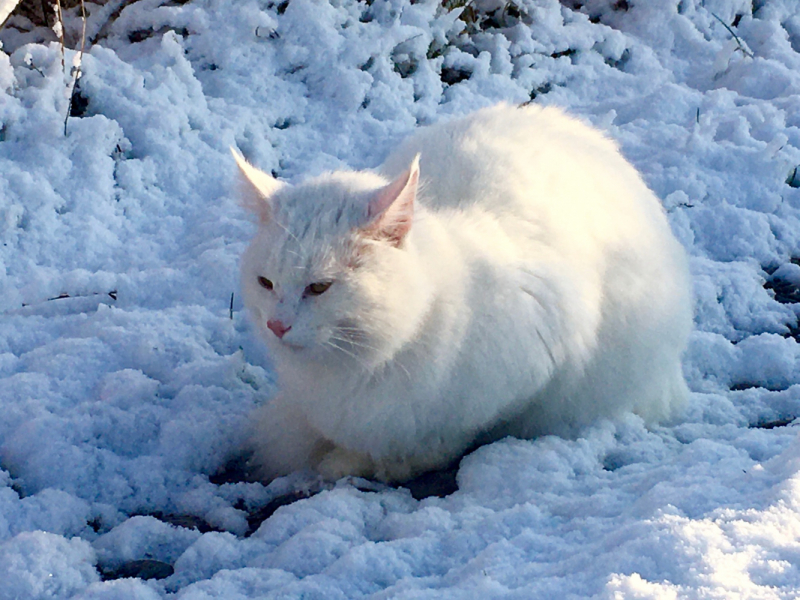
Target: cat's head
x=329, y=274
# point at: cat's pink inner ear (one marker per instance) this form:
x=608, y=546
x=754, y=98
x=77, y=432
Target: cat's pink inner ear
x=391, y=211
x=256, y=188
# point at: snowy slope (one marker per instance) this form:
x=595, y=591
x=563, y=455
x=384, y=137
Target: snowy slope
x=126, y=380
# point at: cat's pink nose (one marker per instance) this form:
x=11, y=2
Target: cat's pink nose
x=278, y=328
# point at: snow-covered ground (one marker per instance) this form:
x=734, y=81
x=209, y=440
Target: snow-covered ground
x=126, y=378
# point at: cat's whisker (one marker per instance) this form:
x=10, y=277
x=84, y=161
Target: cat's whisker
x=354, y=337
x=367, y=366
x=403, y=368
x=354, y=343
x=358, y=331
x=345, y=339
x=373, y=348
x=331, y=344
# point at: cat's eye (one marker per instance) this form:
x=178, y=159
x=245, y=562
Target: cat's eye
x=315, y=289
x=265, y=283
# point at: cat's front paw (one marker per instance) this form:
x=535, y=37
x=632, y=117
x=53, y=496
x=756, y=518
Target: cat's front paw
x=341, y=462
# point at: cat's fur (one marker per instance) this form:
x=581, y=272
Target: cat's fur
x=528, y=284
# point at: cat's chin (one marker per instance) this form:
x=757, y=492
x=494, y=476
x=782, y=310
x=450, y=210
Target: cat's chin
x=291, y=346
x=294, y=351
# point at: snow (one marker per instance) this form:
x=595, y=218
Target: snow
x=126, y=380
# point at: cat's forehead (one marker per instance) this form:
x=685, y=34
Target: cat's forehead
x=314, y=225
x=288, y=260
x=326, y=206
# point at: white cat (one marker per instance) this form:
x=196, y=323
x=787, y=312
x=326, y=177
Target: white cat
x=506, y=273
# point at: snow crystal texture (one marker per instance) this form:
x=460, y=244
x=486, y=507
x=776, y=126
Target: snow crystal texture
x=128, y=370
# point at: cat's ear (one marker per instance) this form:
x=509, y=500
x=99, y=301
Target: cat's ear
x=256, y=189
x=390, y=212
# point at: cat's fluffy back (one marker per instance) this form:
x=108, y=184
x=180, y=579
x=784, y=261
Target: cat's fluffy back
x=543, y=149
x=552, y=183
x=581, y=218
